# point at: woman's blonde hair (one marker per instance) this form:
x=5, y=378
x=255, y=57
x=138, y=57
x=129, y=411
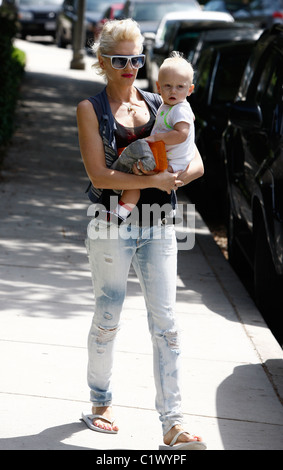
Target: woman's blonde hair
x=115, y=31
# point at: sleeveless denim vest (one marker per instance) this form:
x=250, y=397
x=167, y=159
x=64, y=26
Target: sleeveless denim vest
x=107, y=127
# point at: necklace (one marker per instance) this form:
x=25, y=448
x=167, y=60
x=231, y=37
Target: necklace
x=130, y=109
x=129, y=106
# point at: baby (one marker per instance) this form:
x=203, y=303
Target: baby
x=174, y=123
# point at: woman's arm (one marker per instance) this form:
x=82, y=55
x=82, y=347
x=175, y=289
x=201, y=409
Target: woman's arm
x=194, y=170
x=92, y=151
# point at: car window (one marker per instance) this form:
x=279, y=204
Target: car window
x=165, y=34
x=253, y=6
x=186, y=43
x=202, y=77
x=39, y=2
x=96, y=5
x=266, y=6
x=228, y=76
x=150, y=11
x=269, y=93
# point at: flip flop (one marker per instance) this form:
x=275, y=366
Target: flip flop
x=88, y=419
x=192, y=445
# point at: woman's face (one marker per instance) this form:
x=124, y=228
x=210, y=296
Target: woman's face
x=123, y=76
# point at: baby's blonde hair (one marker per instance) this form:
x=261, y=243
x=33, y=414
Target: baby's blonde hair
x=176, y=59
x=116, y=31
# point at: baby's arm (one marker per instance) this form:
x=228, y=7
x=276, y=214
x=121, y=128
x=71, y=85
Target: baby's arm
x=172, y=137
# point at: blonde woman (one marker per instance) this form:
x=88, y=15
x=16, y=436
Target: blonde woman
x=120, y=114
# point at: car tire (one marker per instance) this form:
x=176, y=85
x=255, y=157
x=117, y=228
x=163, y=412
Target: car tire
x=267, y=283
x=59, y=39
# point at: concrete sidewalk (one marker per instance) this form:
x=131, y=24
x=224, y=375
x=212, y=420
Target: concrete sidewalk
x=232, y=364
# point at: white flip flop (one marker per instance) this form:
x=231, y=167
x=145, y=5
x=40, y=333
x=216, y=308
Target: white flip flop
x=192, y=445
x=88, y=419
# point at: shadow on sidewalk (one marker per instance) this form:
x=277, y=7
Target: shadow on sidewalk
x=249, y=416
x=49, y=439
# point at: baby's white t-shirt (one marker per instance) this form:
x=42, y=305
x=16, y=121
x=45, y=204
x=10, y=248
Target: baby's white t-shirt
x=179, y=155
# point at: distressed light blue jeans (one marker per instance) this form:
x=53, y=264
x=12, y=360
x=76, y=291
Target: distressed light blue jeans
x=153, y=253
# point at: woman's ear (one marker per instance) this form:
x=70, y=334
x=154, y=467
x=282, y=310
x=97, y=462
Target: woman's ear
x=100, y=60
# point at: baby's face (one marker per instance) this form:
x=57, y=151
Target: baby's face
x=174, y=85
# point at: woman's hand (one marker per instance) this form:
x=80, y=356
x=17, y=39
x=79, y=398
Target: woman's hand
x=164, y=180
x=167, y=181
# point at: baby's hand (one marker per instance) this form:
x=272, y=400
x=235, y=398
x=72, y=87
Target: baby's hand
x=138, y=169
x=150, y=138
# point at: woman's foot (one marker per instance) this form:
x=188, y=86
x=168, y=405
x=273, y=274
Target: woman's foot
x=185, y=437
x=101, y=423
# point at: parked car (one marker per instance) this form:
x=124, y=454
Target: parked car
x=189, y=33
x=217, y=79
x=264, y=13
x=68, y=15
x=111, y=13
x=37, y=17
x=253, y=151
x=148, y=13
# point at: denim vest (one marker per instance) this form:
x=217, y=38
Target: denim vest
x=107, y=127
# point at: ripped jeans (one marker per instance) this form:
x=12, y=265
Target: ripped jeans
x=153, y=253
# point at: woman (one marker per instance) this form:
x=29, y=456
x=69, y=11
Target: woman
x=130, y=115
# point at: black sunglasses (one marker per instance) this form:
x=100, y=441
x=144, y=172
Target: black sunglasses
x=121, y=61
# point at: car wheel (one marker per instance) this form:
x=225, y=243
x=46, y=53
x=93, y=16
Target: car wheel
x=267, y=283
x=59, y=39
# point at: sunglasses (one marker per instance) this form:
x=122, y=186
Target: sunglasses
x=121, y=61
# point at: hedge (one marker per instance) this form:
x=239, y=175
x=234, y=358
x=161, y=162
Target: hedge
x=12, y=63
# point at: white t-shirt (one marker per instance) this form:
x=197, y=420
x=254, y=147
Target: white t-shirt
x=179, y=155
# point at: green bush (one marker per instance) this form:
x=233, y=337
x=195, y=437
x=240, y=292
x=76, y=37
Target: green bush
x=12, y=62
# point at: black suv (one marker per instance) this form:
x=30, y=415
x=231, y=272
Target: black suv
x=253, y=151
